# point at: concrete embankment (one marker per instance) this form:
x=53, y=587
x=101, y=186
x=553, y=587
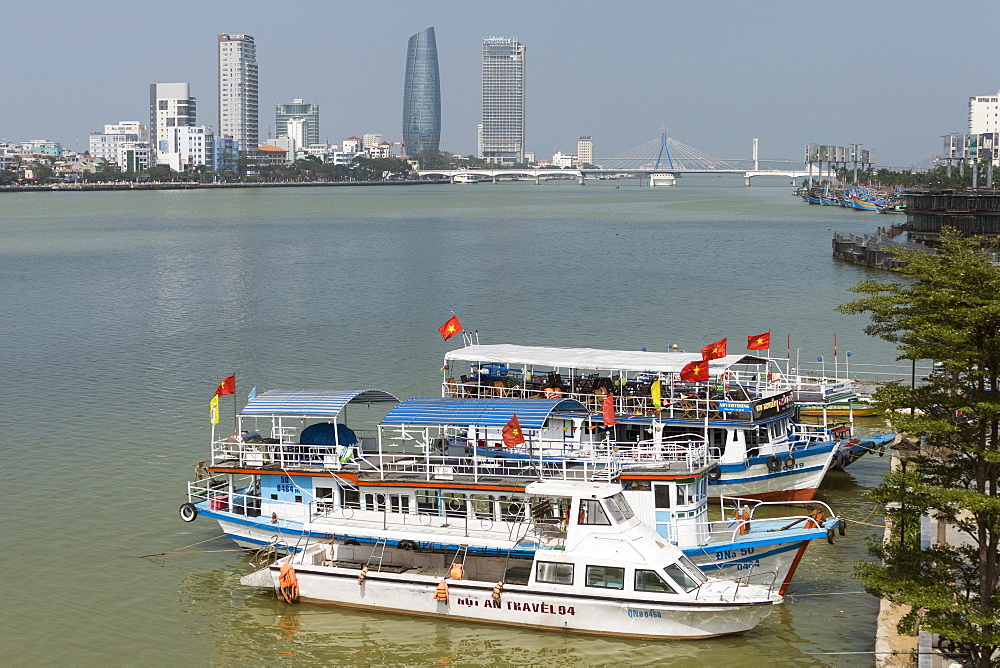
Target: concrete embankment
x=188, y=185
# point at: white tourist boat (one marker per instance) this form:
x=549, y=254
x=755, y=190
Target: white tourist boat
x=598, y=571
x=299, y=473
x=745, y=411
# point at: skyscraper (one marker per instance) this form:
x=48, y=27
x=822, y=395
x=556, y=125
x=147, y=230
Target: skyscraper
x=503, y=101
x=238, y=110
x=421, y=95
x=170, y=106
x=298, y=110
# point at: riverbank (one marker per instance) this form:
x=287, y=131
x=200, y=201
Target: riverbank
x=189, y=185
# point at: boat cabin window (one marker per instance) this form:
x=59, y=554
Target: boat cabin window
x=427, y=502
x=686, y=494
x=554, y=573
x=681, y=577
x=592, y=513
x=375, y=502
x=619, y=509
x=324, y=492
x=454, y=504
x=661, y=495
x=399, y=503
x=512, y=508
x=693, y=570
x=352, y=499
x=651, y=581
x=482, y=506
x=608, y=577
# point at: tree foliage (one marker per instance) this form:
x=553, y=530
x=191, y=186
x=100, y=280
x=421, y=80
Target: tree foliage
x=949, y=311
x=936, y=178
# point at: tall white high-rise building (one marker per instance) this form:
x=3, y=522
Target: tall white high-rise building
x=238, y=95
x=170, y=106
x=585, y=150
x=984, y=114
x=503, y=101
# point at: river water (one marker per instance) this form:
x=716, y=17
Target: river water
x=122, y=311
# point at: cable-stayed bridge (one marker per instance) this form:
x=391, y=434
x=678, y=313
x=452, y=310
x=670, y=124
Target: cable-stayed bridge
x=667, y=153
x=662, y=160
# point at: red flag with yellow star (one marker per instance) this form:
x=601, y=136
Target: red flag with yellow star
x=759, y=342
x=227, y=386
x=450, y=328
x=694, y=372
x=512, y=434
x=715, y=350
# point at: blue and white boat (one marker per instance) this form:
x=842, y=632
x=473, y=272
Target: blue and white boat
x=745, y=411
x=438, y=469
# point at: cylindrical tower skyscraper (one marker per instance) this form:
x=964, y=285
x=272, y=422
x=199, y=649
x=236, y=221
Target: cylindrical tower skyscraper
x=421, y=95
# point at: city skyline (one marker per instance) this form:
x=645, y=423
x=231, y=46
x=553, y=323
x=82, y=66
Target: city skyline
x=716, y=76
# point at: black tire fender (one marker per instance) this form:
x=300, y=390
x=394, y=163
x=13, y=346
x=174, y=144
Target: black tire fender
x=773, y=463
x=188, y=512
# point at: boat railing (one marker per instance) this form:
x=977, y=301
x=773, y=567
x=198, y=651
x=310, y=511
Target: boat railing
x=266, y=452
x=730, y=503
x=433, y=524
x=689, y=449
x=560, y=460
x=725, y=395
x=234, y=494
x=429, y=467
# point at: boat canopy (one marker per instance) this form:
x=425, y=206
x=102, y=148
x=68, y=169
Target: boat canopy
x=324, y=403
x=531, y=413
x=590, y=358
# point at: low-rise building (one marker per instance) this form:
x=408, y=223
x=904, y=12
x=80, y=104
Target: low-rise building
x=274, y=155
x=134, y=157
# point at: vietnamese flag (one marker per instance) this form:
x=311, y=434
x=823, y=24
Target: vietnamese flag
x=715, y=350
x=694, y=372
x=759, y=342
x=512, y=434
x=608, y=410
x=228, y=386
x=450, y=328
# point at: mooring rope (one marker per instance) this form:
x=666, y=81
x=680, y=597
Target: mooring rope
x=178, y=550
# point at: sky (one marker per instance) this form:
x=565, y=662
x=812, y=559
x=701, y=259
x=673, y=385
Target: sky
x=891, y=75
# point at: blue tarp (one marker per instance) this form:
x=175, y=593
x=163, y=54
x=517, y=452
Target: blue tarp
x=323, y=434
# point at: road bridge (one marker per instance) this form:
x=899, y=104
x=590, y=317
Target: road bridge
x=655, y=177
x=661, y=161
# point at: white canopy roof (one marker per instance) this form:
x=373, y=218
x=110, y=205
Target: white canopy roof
x=590, y=358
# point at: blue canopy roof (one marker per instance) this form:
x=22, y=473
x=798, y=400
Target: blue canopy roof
x=327, y=403
x=531, y=413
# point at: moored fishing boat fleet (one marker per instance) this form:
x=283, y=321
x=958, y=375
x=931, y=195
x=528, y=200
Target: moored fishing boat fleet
x=628, y=493
x=857, y=197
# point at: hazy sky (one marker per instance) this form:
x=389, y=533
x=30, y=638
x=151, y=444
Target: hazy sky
x=892, y=75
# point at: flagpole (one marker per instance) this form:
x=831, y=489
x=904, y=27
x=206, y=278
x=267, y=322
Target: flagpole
x=236, y=421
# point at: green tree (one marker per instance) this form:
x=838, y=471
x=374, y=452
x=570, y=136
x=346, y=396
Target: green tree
x=431, y=158
x=949, y=311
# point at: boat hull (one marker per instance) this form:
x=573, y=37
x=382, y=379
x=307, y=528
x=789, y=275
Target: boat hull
x=755, y=480
x=760, y=555
x=523, y=606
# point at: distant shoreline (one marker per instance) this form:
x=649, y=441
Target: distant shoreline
x=186, y=185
